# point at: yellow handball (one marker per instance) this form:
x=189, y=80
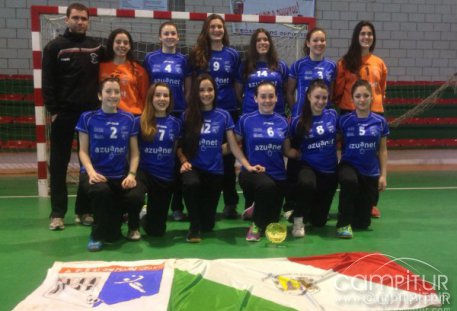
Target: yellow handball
x=276, y=233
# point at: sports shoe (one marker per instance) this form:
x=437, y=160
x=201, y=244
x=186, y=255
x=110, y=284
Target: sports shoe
x=84, y=219
x=178, y=215
x=144, y=211
x=344, y=232
x=248, y=212
x=230, y=212
x=298, y=230
x=253, y=234
x=193, y=237
x=288, y=215
x=134, y=235
x=94, y=246
x=56, y=224
x=375, y=212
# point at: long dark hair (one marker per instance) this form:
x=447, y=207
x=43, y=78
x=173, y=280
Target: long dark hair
x=306, y=117
x=109, y=53
x=252, y=56
x=352, y=60
x=193, y=118
x=201, y=53
x=148, y=119
x=310, y=33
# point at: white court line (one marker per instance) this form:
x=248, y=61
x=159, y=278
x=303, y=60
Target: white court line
x=240, y=192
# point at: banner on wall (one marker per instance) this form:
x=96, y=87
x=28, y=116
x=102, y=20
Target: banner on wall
x=154, y=5
x=272, y=8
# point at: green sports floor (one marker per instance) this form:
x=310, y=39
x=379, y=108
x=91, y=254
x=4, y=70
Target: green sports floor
x=419, y=214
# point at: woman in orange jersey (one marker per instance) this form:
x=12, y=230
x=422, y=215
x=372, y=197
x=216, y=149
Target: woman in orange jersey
x=360, y=63
x=121, y=63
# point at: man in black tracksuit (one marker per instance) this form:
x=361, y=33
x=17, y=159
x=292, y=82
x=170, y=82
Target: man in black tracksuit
x=69, y=86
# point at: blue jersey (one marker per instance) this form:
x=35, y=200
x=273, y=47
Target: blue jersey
x=109, y=138
x=223, y=66
x=263, y=73
x=318, y=147
x=209, y=153
x=361, y=139
x=263, y=139
x=157, y=157
x=304, y=71
x=171, y=69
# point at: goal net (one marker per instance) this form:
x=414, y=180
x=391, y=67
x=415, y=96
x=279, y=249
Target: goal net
x=288, y=35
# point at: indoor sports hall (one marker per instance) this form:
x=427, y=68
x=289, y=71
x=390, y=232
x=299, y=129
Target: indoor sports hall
x=404, y=261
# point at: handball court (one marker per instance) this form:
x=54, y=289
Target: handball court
x=419, y=210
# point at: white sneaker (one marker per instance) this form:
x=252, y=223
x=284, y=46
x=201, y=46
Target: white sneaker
x=144, y=211
x=298, y=230
x=56, y=224
x=134, y=235
x=287, y=214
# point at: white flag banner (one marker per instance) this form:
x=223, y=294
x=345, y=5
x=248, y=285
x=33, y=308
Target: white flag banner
x=345, y=281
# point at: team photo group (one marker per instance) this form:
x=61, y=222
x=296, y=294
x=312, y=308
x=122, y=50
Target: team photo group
x=170, y=130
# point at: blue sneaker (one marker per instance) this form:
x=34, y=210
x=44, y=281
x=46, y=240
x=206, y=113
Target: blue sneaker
x=94, y=246
x=344, y=232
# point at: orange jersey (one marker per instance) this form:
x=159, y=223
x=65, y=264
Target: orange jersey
x=373, y=70
x=134, y=84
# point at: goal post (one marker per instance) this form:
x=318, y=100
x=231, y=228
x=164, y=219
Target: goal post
x=47, y=22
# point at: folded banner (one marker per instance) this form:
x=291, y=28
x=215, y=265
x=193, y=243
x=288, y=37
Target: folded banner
x=344, y=281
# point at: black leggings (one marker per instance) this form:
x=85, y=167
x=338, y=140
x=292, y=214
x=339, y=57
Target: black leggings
x=108, y=200
x=201, y=191
x=357, y=196
x=159, y=197
x=268, y=195
x=315, y=192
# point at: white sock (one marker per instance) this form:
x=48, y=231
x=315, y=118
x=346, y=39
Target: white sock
x=298, y=220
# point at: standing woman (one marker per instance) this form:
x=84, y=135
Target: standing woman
x=263, y=133
x=313, y=66
x=159, y=133
x=205, y=127
x=169, y=66
x=122, y=64
x=314, y=131
x=109, y=156
x=262, y=64
x=213, y=55
x=360, y=63
x=362, y=169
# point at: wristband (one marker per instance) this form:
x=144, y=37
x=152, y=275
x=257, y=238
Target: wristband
x=132, y=173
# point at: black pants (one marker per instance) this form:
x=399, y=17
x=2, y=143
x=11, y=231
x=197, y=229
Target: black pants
x=108, y=200
x=62, y=134
x=201, y=192
x=176, y=203
x=268, y=195
x=159, y=197
x=357, y=196
x=315, y=191
x=292, y=168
